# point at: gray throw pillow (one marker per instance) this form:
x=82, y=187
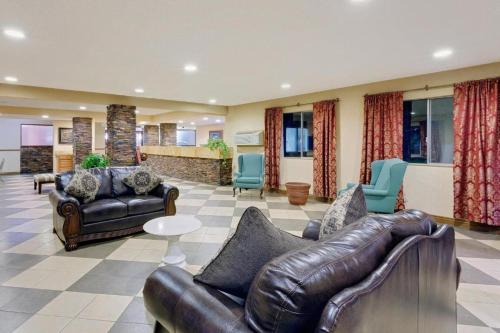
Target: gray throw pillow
x=254, y=243
x=349, y=207
x=83, y=185
x=142, y=180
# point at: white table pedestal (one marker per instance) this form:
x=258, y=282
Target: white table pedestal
x=174, y=255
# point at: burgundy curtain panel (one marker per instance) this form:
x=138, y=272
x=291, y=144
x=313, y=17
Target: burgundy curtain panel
x=324, y=162
x=476, y=161
x=273, y=131
x=382, y=133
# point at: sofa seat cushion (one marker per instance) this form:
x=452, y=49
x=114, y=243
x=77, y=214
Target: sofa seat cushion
x=248, y=180
x=142, y=204
x=101, y=210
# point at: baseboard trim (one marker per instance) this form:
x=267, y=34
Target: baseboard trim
x=469, y=225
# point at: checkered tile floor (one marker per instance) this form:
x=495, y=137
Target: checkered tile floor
x=97, y=288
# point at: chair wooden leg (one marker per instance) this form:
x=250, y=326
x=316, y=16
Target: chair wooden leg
x=240, y=189
x=40, y=188
x=261, y=191
x=34, y=185
x=234, y=192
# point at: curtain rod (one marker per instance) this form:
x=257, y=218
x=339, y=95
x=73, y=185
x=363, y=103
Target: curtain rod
x=426, y=88
x=302, y=104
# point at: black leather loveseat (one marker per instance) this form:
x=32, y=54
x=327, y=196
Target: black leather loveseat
x=116, y=211
x=381, y=274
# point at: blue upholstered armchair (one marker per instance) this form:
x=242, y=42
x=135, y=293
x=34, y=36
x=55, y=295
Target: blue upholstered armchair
x=382, y=192
x=250, y=173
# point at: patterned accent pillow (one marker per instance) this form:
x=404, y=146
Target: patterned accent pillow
x=142, y=180
x=83, y=185
x=349, y=207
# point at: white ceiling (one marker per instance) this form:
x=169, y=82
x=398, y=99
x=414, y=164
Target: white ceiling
x=244, y=49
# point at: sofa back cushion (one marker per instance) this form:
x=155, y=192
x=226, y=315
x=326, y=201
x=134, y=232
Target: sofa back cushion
x=102, y=174
x=118, y=187
x=289, y=293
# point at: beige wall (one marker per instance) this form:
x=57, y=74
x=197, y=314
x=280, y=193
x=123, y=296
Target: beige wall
x=60, y=148
x=428, y=188
x=203, y=131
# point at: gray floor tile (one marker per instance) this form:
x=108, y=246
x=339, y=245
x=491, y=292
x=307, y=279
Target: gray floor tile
x=238, y=211
x=131, y=328
x=27, y=300
x=195, y=196
x=94, y=250
x=20, y=261
x=189, y=210
x=470, y=274
x=136, y=313
x=220, y=203
x=473, y=249
x=12, y=320
x=215, y=221
x=124, y=268
x=7, y=273
x=288, y=224
x=314, y=214
x=108, y=284
x=282, y=205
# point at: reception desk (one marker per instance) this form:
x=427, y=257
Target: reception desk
x=197, y=164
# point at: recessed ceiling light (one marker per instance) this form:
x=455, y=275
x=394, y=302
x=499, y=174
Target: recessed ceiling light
x=192, y=123
x=181, y=121
x=190, y=68
x=286, y=86
x=11, y=79
x=139, y=90
x=443, y=53
x=205, y=118
x=45, y=116
x=137, y=111
x=14, y=34
x=217, y=120
x=83, y=107
x=212, y=101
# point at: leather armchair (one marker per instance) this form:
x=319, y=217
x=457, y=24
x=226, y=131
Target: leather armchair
x=116, y=211
x=250, y=174
x=386, y=179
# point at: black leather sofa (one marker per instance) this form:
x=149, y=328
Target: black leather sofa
x=117, y=210
x=384, y=274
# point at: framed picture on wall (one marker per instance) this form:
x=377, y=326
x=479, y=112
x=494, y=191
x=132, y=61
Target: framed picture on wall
x=215, y=134
x=65, y=136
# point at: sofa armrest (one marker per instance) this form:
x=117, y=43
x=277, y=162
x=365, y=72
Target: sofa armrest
x=169, y=194
x=311, y=231
x=59, y=199
x=377, y=193
x=181, y=305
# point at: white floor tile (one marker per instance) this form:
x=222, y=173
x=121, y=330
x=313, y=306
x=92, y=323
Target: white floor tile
x=43, y=324
x=106, y=307
x=67, y=304
x=486, y=312
x=79, y=325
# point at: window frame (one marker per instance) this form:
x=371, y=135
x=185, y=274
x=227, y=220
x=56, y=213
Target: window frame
x=300, y=139
x=429, y=130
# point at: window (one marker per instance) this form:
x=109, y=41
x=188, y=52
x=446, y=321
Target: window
x=36, y=135
x=428, y=130
x=186, y=137
x=298, y=134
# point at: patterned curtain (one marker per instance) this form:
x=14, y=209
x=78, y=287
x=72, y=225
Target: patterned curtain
x=324, y=163
x=272, y=145
x=476, y=165
x=382, y=133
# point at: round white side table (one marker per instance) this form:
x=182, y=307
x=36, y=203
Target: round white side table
x=173, y=227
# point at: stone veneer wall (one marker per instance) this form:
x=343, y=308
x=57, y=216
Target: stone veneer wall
x=82, y=139
x=204, y=170
x=168, y=134
x=151, y=135
x=37, y=159
x=121, y=143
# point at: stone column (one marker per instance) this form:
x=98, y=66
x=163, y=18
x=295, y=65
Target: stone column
x=151, y=135
x=121, y=143
x=82, y=139
x=168, y=134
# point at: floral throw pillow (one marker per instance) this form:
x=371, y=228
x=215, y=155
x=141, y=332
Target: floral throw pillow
x=83, y=185
x=142, y=180
x=349, y=207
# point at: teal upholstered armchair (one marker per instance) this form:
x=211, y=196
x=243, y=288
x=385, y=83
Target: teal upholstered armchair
x=250, y=173
x=382, y=192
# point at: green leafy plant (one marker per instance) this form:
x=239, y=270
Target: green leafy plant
x=221, y=146
x=95, y=161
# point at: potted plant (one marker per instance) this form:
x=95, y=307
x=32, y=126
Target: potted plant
x=94, y=160
x=221, y=146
